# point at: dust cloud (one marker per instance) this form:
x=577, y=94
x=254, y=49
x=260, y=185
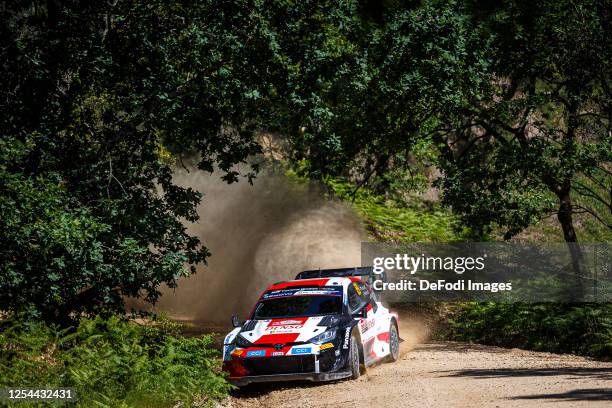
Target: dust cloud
x=258, y=234
x=414, y=330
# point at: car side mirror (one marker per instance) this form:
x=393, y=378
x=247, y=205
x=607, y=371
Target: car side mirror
x=236, y=321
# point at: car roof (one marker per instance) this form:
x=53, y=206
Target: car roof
x=335, y=281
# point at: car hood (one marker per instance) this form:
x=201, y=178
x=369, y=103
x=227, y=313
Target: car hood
x=283, y=331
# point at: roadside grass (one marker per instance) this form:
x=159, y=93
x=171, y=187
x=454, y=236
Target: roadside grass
x=112, y=363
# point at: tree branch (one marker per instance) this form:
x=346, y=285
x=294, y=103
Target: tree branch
x=591, y=212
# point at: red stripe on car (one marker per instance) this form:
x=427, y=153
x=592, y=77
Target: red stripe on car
x=383, y=336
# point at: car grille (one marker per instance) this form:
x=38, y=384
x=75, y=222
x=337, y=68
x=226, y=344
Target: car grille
x=280, y=365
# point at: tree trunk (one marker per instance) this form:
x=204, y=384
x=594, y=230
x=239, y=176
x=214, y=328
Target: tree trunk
x=565, y=211
x=565, y=217
x=569, y=234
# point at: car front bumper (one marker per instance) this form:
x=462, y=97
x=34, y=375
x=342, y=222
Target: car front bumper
x=327, y=365
x=315, y=377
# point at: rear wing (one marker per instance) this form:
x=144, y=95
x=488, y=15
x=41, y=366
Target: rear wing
x=335, y=273
x=342, y=273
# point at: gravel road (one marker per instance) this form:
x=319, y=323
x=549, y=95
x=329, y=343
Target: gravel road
x=448, y=374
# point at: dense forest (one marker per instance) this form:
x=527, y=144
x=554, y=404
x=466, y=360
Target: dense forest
x=503, y=107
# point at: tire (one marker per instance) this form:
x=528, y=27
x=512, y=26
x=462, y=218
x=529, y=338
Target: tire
x=354, y=363
x=393, y=343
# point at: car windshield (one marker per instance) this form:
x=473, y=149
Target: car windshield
x=298, y=306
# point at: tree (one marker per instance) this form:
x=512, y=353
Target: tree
x=542, y=133
x=99, y=101
x=539, y=142
x=393, y=78
x=515, y=97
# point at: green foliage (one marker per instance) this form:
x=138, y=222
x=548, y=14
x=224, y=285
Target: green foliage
x=70, y=246
x=514, y=95
x=99, y=101
x=391, y=223
x=27, y=354
x=384, y=94
x=578, y=329
x=112, y=363
x=537, y=141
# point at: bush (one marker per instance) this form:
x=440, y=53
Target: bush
x=112, y=362
x=584, y=329
x=388, y=222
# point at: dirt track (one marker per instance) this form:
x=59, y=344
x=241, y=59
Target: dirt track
x=447, y=374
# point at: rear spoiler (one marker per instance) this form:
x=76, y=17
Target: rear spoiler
x=343, y=272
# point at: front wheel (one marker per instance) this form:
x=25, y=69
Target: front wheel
x=354, y=358
x=393, y=343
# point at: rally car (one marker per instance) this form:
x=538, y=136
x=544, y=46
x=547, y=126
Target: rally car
x=324, y=325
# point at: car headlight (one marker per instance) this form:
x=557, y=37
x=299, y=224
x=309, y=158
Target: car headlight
x=242, y=342
x=326, y=336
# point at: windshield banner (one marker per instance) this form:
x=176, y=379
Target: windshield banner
x=320, y=291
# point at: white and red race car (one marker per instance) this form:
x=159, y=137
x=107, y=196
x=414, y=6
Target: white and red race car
x=324, y=325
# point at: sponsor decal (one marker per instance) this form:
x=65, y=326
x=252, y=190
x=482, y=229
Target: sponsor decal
x=356, y=286
x=256, y=353
x=301, y=350
x=277, y=353
x=326, y=346
x=237, y=352
x=347, y=336
x=366, y=324
x=283, y=329
x=317, y=292
x=286, y=323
